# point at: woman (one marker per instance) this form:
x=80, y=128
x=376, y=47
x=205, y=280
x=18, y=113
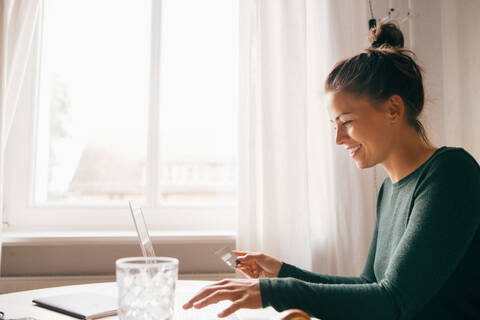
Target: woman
x=424, y=258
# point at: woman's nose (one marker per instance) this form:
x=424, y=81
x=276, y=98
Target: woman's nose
x=339, y=135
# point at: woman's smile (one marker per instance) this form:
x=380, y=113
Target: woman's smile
x=353, y=150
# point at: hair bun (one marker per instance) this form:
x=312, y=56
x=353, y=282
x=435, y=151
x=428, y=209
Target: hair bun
x=387, y=35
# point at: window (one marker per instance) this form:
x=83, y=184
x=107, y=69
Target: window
x=136, y=100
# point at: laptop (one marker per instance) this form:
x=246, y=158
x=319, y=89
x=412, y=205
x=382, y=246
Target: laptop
x=142, y=230
x=207, y=313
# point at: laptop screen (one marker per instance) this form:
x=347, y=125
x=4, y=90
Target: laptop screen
x=142, y=231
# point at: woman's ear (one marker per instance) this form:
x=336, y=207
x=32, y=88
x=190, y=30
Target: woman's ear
x=395, y=107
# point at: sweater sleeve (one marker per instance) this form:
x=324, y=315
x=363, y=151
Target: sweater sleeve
x=367, y=276
x=290, y=271
x=443, y=222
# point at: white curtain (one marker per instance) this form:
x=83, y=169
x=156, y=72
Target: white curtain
x=458, y=88
x=301, y=199
x=443, y=35
x=19, y=23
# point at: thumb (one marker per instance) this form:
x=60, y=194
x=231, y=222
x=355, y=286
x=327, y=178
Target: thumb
x=250, y=257
x=239, y=252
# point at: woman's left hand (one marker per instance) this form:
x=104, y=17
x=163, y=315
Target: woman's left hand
x=244, y=293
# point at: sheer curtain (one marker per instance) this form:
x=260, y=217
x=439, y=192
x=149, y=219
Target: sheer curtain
x=19, y=23
x=458, y=87
x=442, y=33
x=301, y=198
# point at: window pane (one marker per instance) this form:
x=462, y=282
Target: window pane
x=92, y=118
x=198, y=101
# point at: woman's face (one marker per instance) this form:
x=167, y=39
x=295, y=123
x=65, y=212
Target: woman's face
x=363, y=129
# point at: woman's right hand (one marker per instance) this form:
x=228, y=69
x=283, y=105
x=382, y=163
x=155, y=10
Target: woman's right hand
x=257, y=265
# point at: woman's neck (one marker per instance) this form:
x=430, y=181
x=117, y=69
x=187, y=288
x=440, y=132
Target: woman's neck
x=407, y=156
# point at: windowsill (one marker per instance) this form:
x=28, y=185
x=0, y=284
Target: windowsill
x=112, y=237
x=39, y=253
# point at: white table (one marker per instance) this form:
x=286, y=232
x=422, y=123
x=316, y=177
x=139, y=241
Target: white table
x=19, y=304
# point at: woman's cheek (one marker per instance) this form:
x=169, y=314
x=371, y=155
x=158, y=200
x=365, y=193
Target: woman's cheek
x=352, y=132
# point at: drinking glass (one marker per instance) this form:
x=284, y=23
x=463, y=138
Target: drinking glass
x=146, y=288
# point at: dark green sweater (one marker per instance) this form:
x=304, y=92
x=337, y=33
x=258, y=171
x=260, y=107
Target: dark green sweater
x=424, y=258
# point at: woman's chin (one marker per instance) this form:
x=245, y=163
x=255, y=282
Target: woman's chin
x=362, y=164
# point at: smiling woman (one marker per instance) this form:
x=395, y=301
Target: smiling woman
x=376, y=98
x=425, y=253
x=427, y=228
x=360, y=127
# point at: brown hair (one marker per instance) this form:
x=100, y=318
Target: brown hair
x=382, y=70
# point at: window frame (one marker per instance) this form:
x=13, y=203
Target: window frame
x=22, y=214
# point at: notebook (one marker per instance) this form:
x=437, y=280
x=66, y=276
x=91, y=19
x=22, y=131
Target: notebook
x=86, y=305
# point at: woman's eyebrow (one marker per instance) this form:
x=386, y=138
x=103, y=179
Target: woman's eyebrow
x=341, y=114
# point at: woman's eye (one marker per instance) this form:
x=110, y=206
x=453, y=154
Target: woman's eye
x=343, y=124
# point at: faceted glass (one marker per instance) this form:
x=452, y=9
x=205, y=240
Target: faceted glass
x=146, y=288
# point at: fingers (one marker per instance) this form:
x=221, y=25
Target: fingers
x=217, y=296
x=231, y=309
x=239, y=253
x=249, y=257
x=247, y=271
x=249, y=263
x=203, y=293
x=258, y=264
x=242, y=292
x=250, y=271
